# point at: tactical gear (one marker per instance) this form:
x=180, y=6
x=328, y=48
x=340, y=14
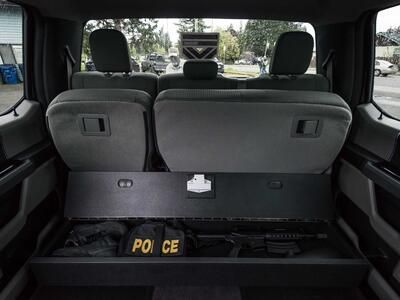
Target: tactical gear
x=101, y=239
x=153, y=239
x=87, y=233
x=104, y=247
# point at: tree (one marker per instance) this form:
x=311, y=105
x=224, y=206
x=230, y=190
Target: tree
x=191, y=25
x=228, y=48
x=260, y=35
x=165, y=40
x=390, y=37
x=142, y=34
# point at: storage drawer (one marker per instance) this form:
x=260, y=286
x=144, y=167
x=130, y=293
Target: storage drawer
x=127, y=271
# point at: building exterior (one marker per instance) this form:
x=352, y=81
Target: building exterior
x=388, y=45
x=11, y=37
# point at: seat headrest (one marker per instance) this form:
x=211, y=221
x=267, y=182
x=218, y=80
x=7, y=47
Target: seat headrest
x=292, y=53
x=110, y=52
x=203, y=69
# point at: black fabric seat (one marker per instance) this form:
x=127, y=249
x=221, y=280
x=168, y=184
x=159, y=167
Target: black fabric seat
x=250, y=131
x=290, y=60
x=110, y=54
x=197, y=74
x=102, y=129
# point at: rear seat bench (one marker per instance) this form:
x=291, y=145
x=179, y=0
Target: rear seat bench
x=197, y=74
x=102, y=129
x=250, y=131
x=111, y=56
x=291, y=58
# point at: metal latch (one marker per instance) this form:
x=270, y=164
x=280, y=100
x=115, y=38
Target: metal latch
x=199, y=184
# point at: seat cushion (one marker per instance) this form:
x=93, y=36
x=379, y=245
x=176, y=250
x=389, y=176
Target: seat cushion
x=250, y=131
x=101, y=129
x=146, y=82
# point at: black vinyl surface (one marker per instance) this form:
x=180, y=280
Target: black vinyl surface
x=193, y=293
x=187, y=271
x=92, y=293
x=165, y=195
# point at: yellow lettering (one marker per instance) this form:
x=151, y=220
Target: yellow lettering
x=147, y=245
x=136, y=244
x=166, y=246
x=174, y=246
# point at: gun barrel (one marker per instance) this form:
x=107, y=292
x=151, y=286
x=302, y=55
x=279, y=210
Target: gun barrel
x=275, y=236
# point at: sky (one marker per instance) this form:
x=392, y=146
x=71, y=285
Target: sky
x=388, y=18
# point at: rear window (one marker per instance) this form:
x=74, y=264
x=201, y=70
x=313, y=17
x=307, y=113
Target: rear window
x=387, y=61
x=244, y=48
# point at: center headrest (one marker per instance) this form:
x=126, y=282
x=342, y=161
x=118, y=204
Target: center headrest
x=292, y=53
x=203, y=69
x=110, y=51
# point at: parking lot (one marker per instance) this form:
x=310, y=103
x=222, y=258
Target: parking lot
x=9, y=94
x=387, y=93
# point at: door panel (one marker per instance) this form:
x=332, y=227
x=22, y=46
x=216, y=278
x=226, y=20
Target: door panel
x=369, y=199
x=28, y=201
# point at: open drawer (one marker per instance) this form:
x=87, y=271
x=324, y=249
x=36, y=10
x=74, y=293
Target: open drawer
x=344, y=269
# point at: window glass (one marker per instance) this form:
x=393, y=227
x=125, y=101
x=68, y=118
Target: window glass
x=244, y=47
x=387, y=61
x=11, y=55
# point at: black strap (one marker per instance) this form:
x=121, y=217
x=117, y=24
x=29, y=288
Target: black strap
x=69, y=63
x=328, y=65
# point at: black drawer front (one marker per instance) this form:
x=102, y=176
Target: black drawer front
x=199, y=271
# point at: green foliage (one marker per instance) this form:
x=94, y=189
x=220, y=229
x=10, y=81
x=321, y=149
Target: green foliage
x=390, y=37
x=164, y=40
x=142, y=34
x=191, y=25
x=228, y=49
x=260, y=33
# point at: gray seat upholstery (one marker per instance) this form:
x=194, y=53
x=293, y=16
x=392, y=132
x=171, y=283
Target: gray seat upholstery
x=102, y=129
x=197, y=74
x=250, y=130
x=290, y=60
x=110, y=54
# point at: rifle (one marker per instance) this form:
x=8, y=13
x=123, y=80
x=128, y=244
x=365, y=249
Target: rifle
x=274, y=242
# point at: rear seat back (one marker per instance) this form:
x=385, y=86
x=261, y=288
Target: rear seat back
x=197, y=74
x=102, y=129
x=110, y=54
x=290, y=60
x=250, y=130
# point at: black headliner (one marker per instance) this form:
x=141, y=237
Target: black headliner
x=313, y=11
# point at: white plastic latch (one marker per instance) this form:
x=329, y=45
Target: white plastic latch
x=199, y=184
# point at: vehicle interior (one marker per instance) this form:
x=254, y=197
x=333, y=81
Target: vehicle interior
x=121, y=184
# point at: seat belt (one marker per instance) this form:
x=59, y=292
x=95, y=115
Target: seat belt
x=327, y=66
x=69, y=63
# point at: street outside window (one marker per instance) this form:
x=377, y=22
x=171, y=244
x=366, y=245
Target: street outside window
x=387, y=62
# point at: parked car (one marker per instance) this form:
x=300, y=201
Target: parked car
x=243, y=62
x=155, y=63
x=384, y=68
